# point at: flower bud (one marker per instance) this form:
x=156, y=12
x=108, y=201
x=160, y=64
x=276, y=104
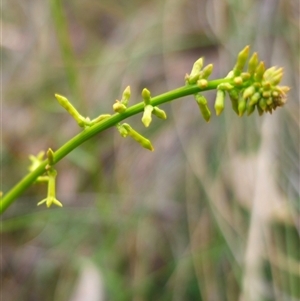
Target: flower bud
x=241, y=61
x=159, y=113
x=238, y=81
x=50, y=156
x=118, y=107
x=202, y=104
x=64, y=102
x=219, y=102
x=266, y=94
x=269, y=73
x=277, y=72
x=225, y=86
x=242, y=106
x=146, y=96
x=146, y=119
x=266, y=85
x=123, y=132
x=269, y=109
x=248, y=92
x=260, y=110
x=276, y=79
x=195, y=72
x=206, y=72
x=282, y=89
x=230, y=74
x=262, y=104
x=234, y=96
x=138, y=137
x=36, y=160
x=250, y=109
x=253, y=62
x=259, y=72
x=269, y=101
x=99, y=118
x=245, y=76
x=125, y=96
x=254, y=99
x=202, y=83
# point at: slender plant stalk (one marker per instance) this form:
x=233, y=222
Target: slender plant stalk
x=89, y=132
x=66, y=49
x=255, y=89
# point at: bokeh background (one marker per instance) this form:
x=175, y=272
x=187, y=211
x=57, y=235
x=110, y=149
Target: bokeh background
x=212, y=214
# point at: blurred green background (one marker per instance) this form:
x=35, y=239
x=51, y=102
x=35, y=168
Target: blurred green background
x=212, y=214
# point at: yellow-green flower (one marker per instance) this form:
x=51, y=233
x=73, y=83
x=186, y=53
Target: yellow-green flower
x=51, y=197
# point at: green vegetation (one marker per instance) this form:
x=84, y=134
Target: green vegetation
x=257, y=88
x=211, y=213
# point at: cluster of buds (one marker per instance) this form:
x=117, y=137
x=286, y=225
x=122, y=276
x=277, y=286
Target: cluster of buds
x=149, y=109
x=257, y=87
x=125, y=129
x=120, y=106
x=198, y=75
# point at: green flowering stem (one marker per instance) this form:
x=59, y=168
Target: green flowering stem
x=247, y=90
x=9, y=197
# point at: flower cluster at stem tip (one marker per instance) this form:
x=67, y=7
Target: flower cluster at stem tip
x=254, y=88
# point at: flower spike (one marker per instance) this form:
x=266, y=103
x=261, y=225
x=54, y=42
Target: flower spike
x=252, y=87
x=258, y=87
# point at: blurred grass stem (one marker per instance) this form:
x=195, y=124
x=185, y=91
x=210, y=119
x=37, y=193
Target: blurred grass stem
x=63, y=36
